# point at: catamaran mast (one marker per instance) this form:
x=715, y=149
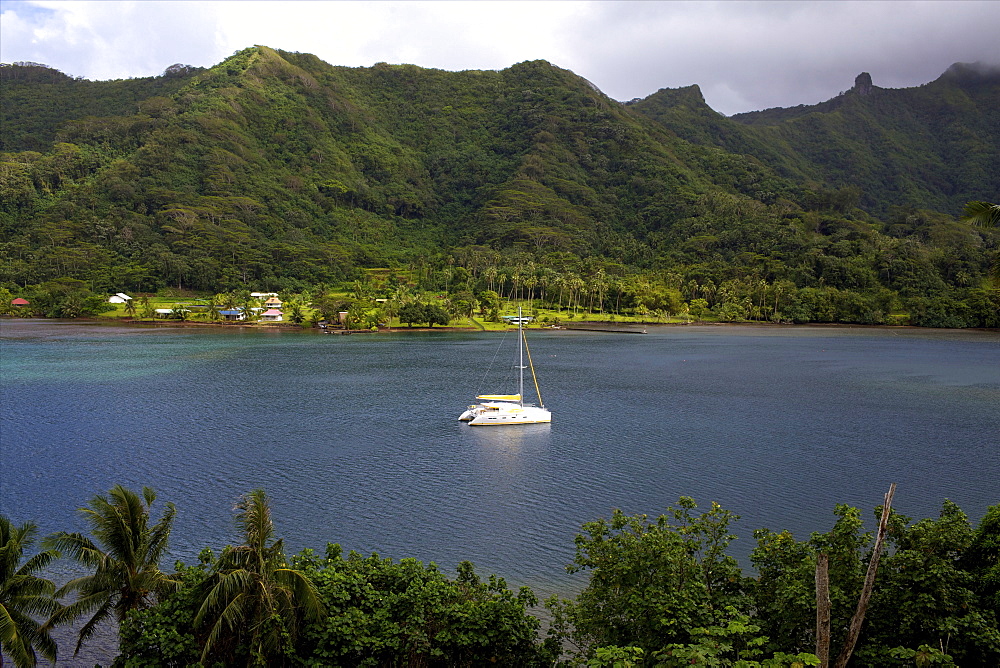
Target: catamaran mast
x=520, y=358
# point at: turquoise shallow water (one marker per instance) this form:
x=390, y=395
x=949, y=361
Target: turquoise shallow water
x=356, y=437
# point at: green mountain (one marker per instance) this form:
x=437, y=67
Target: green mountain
x=277, y=170
x=36, y=100
x=933, y=146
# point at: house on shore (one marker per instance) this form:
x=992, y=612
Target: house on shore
x=171, y=312
x=19, y=302
x=119, y=298
x=271, y=315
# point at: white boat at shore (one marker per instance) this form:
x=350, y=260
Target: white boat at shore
x=510, y=409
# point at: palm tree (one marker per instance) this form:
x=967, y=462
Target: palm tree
x=560, y=281
x=600, y=284
x=147, y=308
x=575, y=285
x=229, y=300
x=24, y=595
x=984, y=214
x=248, y=304
x=253, y=599
x=530, y=281
x=490, y=273
x=130, y=309
x=214, y=304
x=125, y=559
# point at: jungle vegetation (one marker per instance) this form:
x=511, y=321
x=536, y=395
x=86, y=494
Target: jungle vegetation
x=275, y=171
x=661, y=592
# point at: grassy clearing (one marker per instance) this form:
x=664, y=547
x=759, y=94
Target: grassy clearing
x=542, y=317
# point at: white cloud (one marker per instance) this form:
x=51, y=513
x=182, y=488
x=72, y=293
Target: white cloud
x=447, y=35
x=107, y=40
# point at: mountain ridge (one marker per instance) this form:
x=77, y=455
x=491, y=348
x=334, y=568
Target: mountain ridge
x=864, y=134
x=276, y=168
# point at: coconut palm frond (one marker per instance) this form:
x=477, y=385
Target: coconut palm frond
x=981, y=214
x=302, y=591
x=254, y=519
x=24, y=596
x=985, y=214
x=21, y=635
x=227, y=622
x=225, y=588
x=103, y=614
x=160, y=532
x=76, y=546
x=38, y=562
x=81, y=606
x=32, y=597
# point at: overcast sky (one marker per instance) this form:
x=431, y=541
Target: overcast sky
x=744, y=55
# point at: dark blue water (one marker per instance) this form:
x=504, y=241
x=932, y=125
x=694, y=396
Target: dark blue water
x=356, y=440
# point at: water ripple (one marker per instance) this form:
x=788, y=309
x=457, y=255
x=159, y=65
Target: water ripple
x=355, y=438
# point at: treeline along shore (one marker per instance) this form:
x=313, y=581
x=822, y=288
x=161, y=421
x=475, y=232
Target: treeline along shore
x=661, y=592
x=458, y=298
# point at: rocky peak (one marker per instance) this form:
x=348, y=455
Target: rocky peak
x=863, y=84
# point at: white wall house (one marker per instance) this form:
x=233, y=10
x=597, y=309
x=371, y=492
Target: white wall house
x=119, y=298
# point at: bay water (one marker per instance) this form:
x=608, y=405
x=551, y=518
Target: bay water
x=356, y=438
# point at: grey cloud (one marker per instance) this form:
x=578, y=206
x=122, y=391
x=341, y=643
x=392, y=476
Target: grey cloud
x=748, y=56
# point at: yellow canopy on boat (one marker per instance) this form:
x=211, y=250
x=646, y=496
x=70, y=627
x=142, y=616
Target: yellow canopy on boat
x=499, y=397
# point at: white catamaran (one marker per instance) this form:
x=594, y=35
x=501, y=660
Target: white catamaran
x=502, y=409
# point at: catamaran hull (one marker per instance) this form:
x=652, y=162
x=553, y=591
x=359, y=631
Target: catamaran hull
x=489, y=416
x=483, y=421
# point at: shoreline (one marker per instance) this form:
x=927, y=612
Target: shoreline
x=605, y=326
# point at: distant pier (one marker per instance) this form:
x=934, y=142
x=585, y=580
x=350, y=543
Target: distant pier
x=605, y=327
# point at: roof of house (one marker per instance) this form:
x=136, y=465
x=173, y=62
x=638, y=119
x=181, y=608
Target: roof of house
x=271, y=311
x=20, y=301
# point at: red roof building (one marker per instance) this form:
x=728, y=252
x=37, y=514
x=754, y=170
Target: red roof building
x=20, y=301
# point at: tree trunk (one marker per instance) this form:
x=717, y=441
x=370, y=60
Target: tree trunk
x=823, y=609
x=866, y=591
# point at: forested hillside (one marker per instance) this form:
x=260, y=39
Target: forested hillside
x=36, y=100
x=933, y=146
x=275, y=170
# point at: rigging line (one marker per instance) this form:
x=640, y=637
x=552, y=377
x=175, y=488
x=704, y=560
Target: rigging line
x=531, y=366
x=489, y=368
